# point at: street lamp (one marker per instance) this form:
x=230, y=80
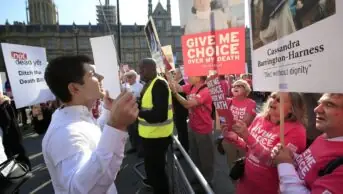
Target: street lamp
x=76, y=31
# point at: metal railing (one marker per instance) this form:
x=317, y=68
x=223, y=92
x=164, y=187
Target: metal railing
x=178, y=181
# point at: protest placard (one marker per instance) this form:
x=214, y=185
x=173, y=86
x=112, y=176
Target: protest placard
x=214, y=38
x=154, y=45
x=106, y=62
x=223, y=50
x=168, y=57
x=25, y=66
x=221, y=103
x=296, y=47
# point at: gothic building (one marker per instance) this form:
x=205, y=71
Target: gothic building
x=41, y=12
x=74, y=39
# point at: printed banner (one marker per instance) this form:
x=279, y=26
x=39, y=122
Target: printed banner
x=214, y=36
x=220, y=102
x=154, y=45
x=295, y=44
x=222, y=50
x=25, y=67
x=105, y=58
x=168, y=57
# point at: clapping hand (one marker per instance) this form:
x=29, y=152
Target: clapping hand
x=281, y=154
x=124, y=111
x=241, y=129
x=172, y=86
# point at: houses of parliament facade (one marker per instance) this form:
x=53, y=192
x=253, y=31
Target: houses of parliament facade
x=43, y=30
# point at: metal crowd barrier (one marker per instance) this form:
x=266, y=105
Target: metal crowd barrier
x=178, y=181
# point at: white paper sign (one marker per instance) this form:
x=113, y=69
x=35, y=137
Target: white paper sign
x=25, y=66
x=106, y=62
x=303, y=56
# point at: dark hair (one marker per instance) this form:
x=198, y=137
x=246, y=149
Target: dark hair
x=62, y=71
x=148, y=62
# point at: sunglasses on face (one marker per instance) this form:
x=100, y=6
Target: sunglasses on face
x=274, y=97
x=238, y=86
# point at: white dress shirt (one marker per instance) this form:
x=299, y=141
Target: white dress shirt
x=136, y=89
x=80, y=158
x=290, y=183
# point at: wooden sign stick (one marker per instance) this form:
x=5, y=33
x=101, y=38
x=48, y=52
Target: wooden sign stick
x=282, y=120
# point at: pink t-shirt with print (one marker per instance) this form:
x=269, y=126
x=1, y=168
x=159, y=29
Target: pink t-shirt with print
x=259, y=172
x=240, y=109
x=200, y=119
x=315, y=158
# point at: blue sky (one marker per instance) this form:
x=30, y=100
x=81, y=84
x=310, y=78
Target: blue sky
x=83, y=11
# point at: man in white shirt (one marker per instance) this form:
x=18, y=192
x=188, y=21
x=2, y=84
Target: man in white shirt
x=80, y=158
x=136, y=88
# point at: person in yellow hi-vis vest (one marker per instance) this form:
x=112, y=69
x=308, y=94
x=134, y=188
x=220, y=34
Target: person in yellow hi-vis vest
x=155, y=125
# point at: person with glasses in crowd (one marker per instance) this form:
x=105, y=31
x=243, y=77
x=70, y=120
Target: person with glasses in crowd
x=262, y=135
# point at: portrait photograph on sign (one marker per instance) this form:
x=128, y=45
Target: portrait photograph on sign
x=154, y=44
x=226, y=14
x=295, y=41
x=273, y=20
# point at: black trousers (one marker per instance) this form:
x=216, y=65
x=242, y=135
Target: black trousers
x=155, y=163
x=23, y=115
x=182, y=130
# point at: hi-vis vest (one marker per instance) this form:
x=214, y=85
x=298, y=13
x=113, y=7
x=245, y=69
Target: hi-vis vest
x=155, y=130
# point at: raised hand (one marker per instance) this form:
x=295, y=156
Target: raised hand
x=124, y=111
x=241, y=129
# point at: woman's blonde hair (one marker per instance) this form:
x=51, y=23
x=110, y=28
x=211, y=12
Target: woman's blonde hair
x=243, y=83
x=298, y=108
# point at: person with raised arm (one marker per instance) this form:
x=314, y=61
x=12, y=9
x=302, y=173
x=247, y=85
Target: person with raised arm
x=82, y=158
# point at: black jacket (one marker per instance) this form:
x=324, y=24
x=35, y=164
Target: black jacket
x=160, y=96
x=12, y=137
x=41, y=126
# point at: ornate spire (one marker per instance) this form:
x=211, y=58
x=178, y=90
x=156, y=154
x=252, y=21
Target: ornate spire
x=168, y=7
x=150, y=8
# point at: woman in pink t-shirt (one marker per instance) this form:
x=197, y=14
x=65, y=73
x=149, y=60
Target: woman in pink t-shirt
x=199, y=105
x=260, y=174
x=242, y=108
